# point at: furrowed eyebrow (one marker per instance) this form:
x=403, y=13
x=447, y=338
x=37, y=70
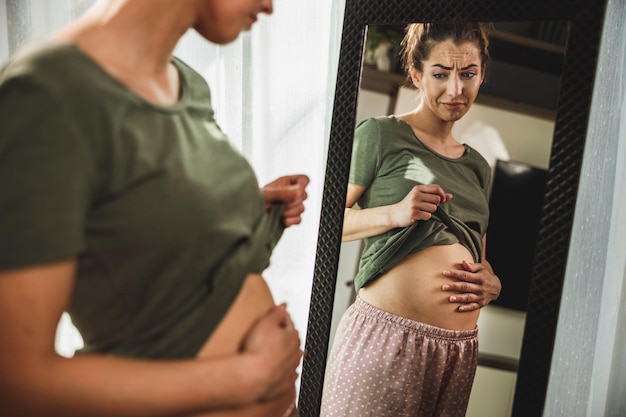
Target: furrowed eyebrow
x=450, y=68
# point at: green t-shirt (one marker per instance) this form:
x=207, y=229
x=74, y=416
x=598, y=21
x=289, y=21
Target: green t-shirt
x=389, y=160
x=164, y=216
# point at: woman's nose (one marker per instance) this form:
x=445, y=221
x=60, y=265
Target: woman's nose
x=267, y=7
x=454, y=87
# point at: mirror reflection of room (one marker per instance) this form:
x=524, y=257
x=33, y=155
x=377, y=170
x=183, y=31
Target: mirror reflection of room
x=511, y=126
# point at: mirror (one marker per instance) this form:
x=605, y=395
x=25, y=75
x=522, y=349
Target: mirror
x=574, y=96
x=511, y=125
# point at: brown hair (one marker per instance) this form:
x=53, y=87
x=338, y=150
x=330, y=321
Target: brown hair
x=420, y=38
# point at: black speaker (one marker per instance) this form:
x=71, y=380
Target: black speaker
x=515, y=208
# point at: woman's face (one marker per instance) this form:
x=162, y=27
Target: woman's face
x=221, y=21
x=450, y=79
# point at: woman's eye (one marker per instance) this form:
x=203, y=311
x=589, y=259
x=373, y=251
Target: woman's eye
x=440, y=76
x=468, y=75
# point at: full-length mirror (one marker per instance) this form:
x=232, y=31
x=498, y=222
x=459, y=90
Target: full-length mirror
x=512, y=129
x=530, y=117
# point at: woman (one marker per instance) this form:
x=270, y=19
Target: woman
x=124, y=204
x=406, y=347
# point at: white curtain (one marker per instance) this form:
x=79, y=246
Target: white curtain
x=273, y=90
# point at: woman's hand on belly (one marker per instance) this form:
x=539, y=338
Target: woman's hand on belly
x=413, y=288
x=275, y=341
x=263, y=335
x=475, y=286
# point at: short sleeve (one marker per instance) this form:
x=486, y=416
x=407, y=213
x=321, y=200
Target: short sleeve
x=44, y=176
x=365, y=153
x=484, y=170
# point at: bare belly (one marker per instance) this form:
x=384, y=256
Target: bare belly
x=412, y=289
x=253, y=301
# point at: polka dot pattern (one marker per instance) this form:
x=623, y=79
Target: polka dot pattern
x=382, y=365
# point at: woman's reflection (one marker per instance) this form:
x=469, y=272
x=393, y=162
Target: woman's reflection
x=408, y=344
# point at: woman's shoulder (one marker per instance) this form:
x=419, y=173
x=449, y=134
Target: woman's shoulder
x=195, y=87
x=478, y=163
x=473, y=154
x=55, y=73
x=39, y=72
x=390, y=127
x=41, y=59
x=382, y=122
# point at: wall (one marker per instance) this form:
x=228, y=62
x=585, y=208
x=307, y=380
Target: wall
x=587, y=375
x=4, y=33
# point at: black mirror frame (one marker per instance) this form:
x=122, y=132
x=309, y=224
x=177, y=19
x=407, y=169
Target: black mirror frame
x=586, y=18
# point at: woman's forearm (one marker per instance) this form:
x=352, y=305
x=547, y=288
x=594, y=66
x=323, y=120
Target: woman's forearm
x=96, y=386
x=362, y=223
x=35, y=381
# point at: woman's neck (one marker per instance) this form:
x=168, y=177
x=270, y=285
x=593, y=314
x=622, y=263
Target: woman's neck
x=426, y=122
x=133, y=41
x=434, y=132
x=135, y=35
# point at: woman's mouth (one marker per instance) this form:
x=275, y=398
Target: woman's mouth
x=453, y=106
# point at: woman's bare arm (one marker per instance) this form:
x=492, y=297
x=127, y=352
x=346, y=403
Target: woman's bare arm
x=36, y=381
x=418, y=204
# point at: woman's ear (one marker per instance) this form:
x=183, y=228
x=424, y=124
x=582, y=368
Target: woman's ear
x=415, y=77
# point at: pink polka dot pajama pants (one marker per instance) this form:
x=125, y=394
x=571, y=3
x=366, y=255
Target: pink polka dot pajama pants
x=383, y=365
